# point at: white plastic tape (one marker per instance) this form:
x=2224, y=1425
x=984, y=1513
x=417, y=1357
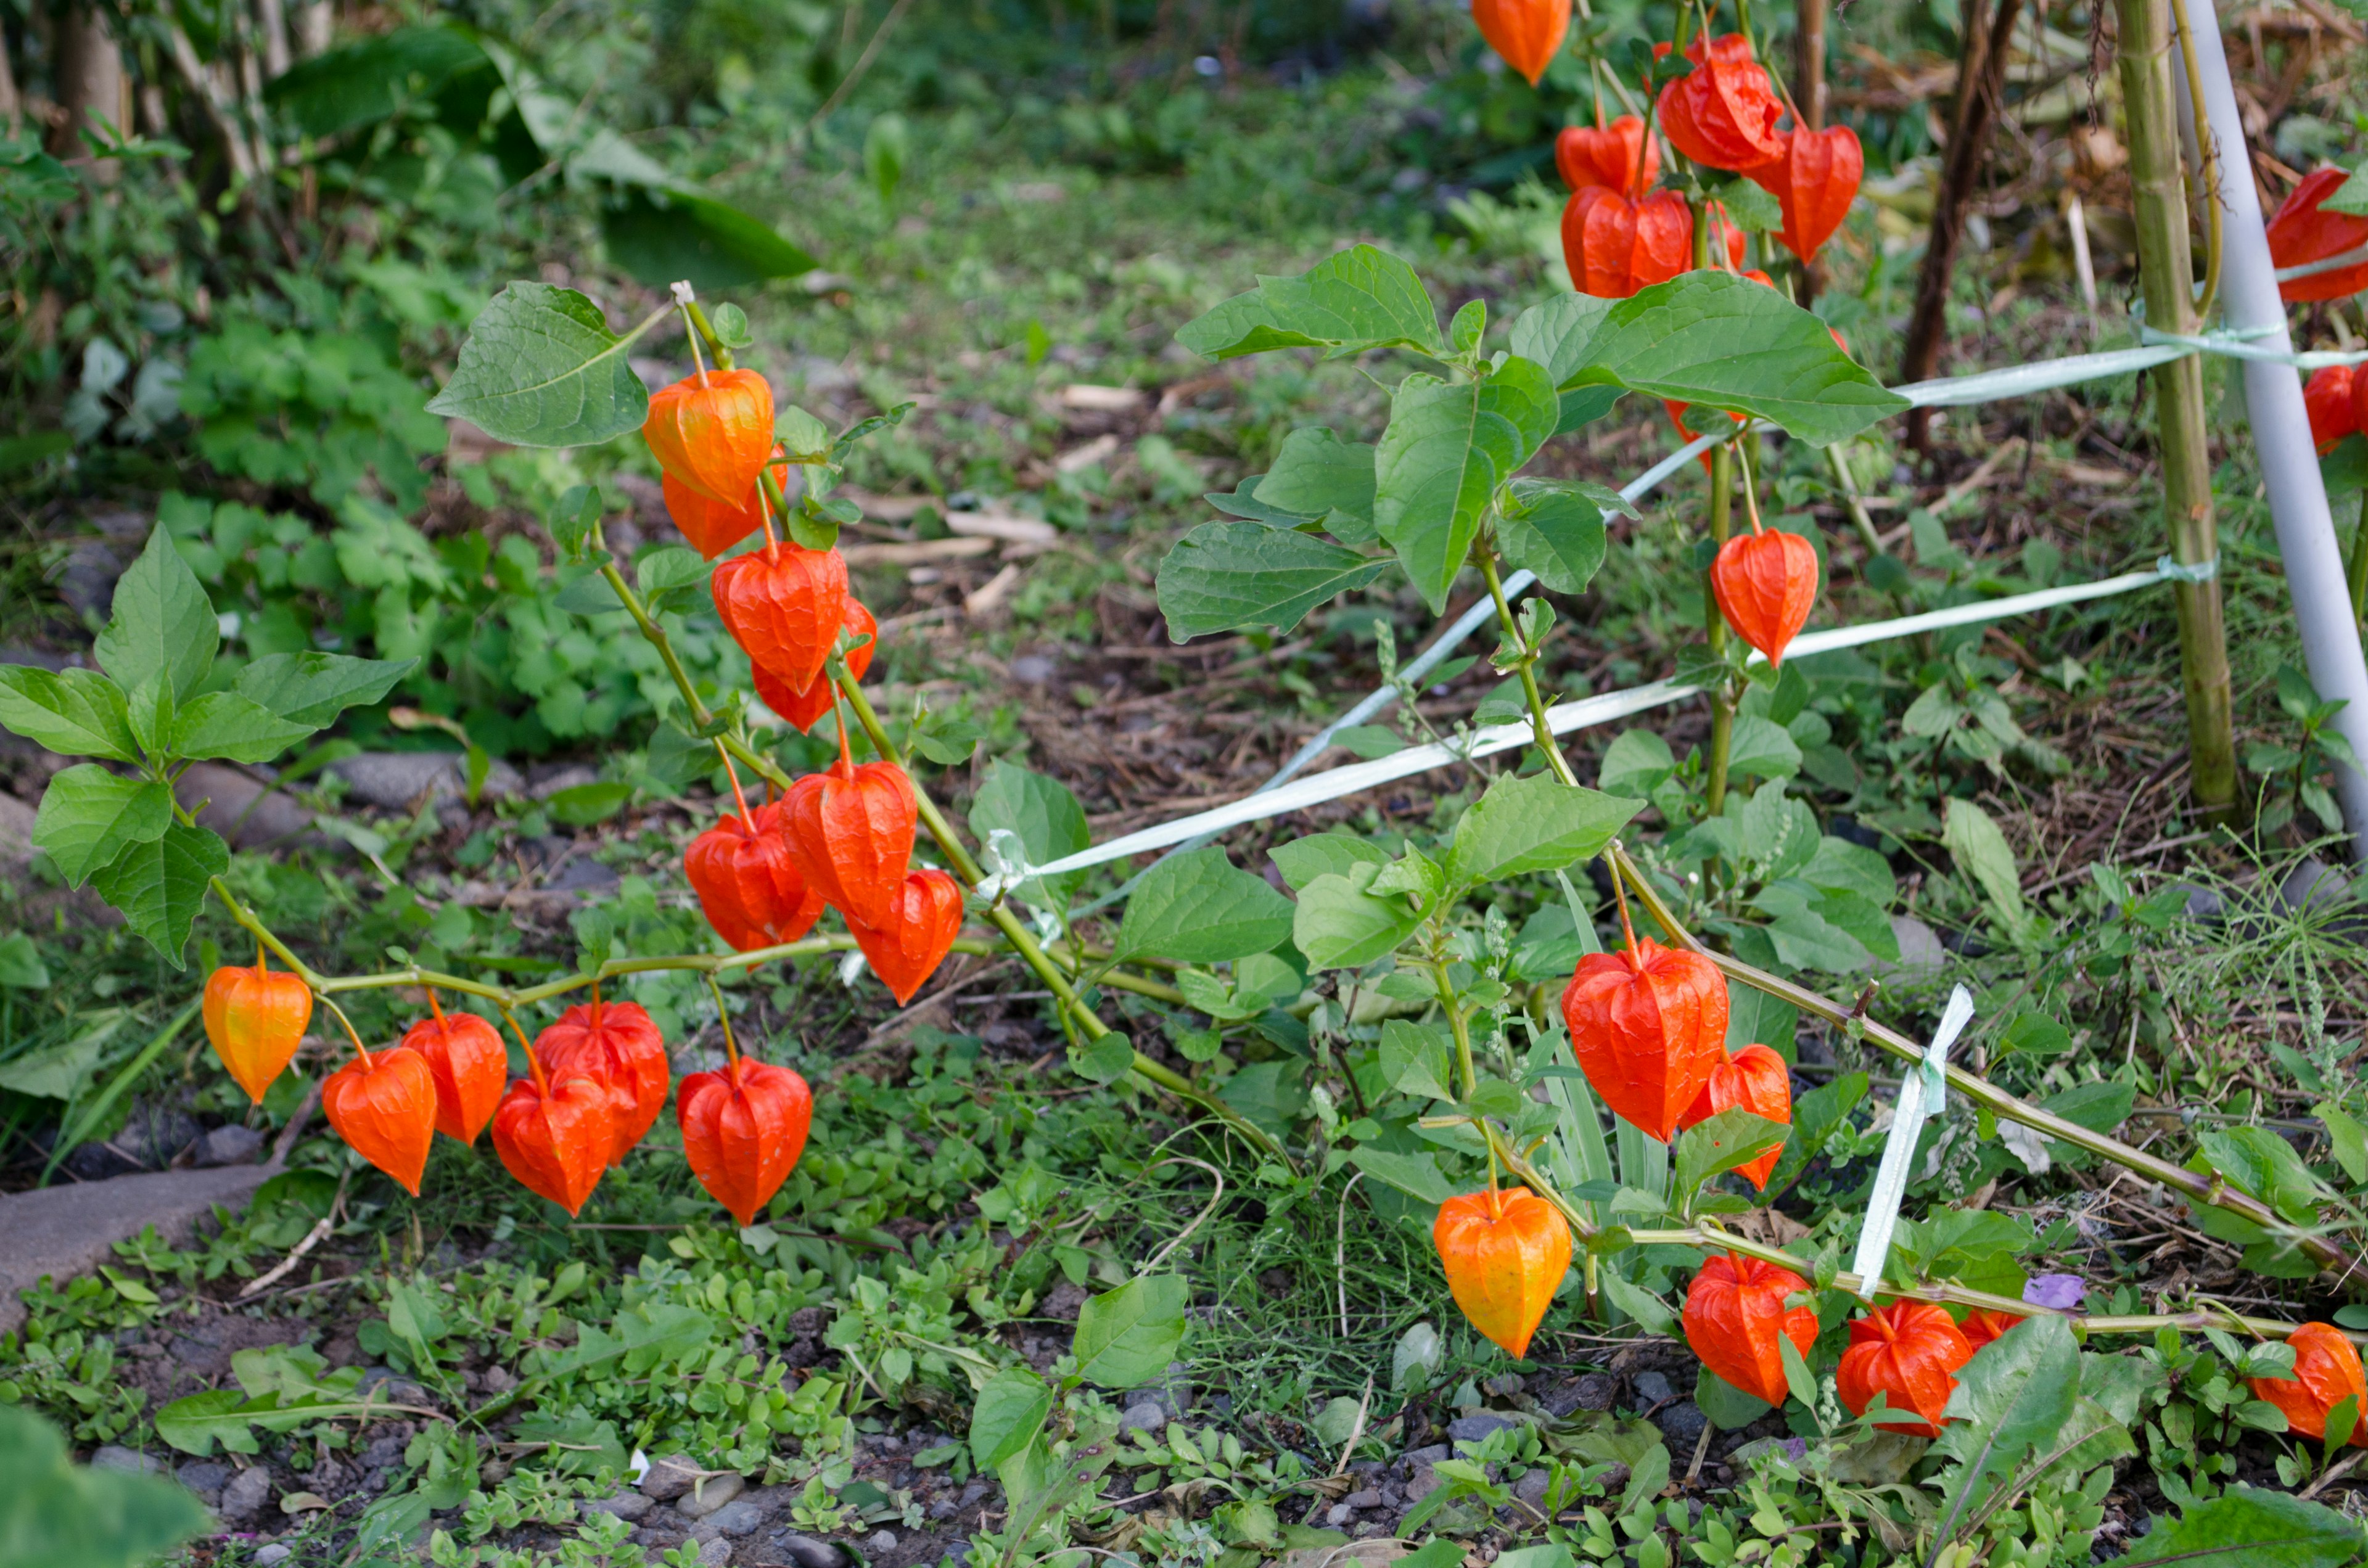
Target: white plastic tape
x=1921, y=1094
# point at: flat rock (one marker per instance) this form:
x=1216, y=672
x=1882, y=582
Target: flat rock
x=669, y=1476
x=627, y=1505
x=395, y=781
x=1681, y=1423
x=807, y=1552
x=126, y=1461
x=709, y=1496
x=1370, y=1553
x=243, y=1498
x=204, y=1479
x=1149, y=1416
x=1920, y=945
x=739, y=1516
x=230, y=1144
x=275, y=1552
x=1472, y=1428
x=66, y=1230
x=235, y=804
x=714, y=1551
x=1651, y=1387
x=1596, y=1390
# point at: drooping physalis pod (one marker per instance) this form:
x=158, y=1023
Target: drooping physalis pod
x=2326, y=1369
x=1526, y=32
x=1908, y=1352
x=2302, y=231
x=1648, y=1026
x=255, y=1019
x=556, y=1144
x=713, y=527
x=783, y=605
x=1619, y=156
x=468, y=1064
x=1614, y=247
x=1754, y=1079
x=618, y=1044
x=1735, y=1313
x=1505, y=1252
x=907, y=947
x=805, y=709
x=742, y=1130
x=712, y=432
x=852, y=835
x=2332, y=398
x=748, y=883
x=1722, y=113
x=384, y=1105
x=1814, y=182
x=1765, y=583
x=1982, y=1325
x=1727, y=234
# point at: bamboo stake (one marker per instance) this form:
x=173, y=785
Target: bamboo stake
x=2166, y=273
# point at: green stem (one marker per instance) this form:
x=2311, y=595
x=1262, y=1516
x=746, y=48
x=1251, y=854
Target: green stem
x=655, y=636
x=698, y=314
x=2201, y=1187
x=1529, y=670
x=1461, y=1028
x=1722, y=699
x=2356, y=570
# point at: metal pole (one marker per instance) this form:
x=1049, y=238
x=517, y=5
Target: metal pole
x=2313, y=567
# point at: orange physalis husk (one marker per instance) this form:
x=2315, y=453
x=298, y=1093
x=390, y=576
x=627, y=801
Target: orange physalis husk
x=256, y=1018
x=1753, y=1079
x=748, y=883
x=2326, y=1369
x=556, y=1143
x=783, y=605
x=1908, y=1352
x=1765, y=583
x=1505, y=1252
x=1722, y=113
x=1617, y=155
x=851, y=830
x=712, y=431
x=618, y=1044
x=710, y=527
x=805, y=708
x=1982, y=1325
x=1735, y=1311
x=2332, y=401
x=469, y=1064
x=2300, y=233
x=742, y=1130
x=906, y=949
x=384, y=1105
x=1648, y=1027
x=1815, y=182
x=1613, y=246
x=1525, y=32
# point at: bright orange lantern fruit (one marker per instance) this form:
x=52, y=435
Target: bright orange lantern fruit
x=617, y=1044
x=254, y=1020
x=1722, y=114
x=1754, y=1079
x=1814, y=182
x=805, y=708
x=1765, y=583
x=712, y=431
x=1505, y=1251
x=2326, y=1369
x=1735, y=1315
x=1909, y=1353
x=783, y=605
x=1618, y=155
x=1525, y=32
x=742, y=1130
x=748, y=882
x=556, y=1137
x=384, y=1105
x=1648, y=1027
x=1613, y=246
x=906, y=949
x=2301, y=232
x=468, y=1064
x=851, y=831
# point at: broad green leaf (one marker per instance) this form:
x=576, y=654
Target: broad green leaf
x=1038, y=811
x=1840, y=866
x=1303, y=860
x=1711, y=339
x=20, y=962
x=1555, y=529
x=1200, y=908
x=1637, y=762
x=1754, y=1017
x=1449, y=445
x=2015, y=1392
x=1006, y=1416
x=225, y=725
x=1651, y=1312
x=1720, y=1143
x=159, y=884
x=1727, y=1406
x=1759, y=748
x=60, y=1515
x=1537, y=823
x=1339, y=925
x=1982, y=852
x=1417, y=1176
x=1126, y=1337
x=582, y=805
x=540, y=368
x=662, y=233
x=311, y=689
x=2245, y=1527
x=1319, y=475
x=89, y=816
x=162, y=624
x=1555, y=335
x=195, y=1422
x=1229, y=577
x=71, y=712
x=1361, y=298
x=1272, y=1095
x=1415, y=1059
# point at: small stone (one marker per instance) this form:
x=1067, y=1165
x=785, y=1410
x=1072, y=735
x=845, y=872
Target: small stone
x=1653, y=1387
x=1150, y=1416
x=1363, y=1498
x=668, y=1478
x=1504, y=1386
x=275, y=1552
x=126, y=1461
x=709, y=1496
x=205, y=1478
x=627, y=1505
x=808, y=1552
x=880, y=1540
x=1596, y=1390
x=243, y=1498
x=1683, y=1424
x=1920, y=945
x=1532, y=1487
x=739, y=1516
x=230, y=1144
x=1423, y=1458
x=1032, y=669
x=1339, y=1515
x=714, y=1551
x=1472, y=1428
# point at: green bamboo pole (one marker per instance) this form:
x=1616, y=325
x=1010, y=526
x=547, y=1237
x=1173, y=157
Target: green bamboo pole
x=2166, y=274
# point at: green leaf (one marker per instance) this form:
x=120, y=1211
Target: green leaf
x=1537, y=823
x=1637, y=762
x=1727, y=1406
x=1415, y=1059
x=1041, y=814
x=1449, y=445
x=661, y=235
x=1721, y=1143
x=1555, y=529
x=1339, y=925
x=1126, y=1337
x=20, y=963
x=1982, y=852
x=1711, y=339
x=1651, y=1312
x=1318, y=475
x=311, y=689
x=1555, y=335
x=195, y=1422
x=1303, y=860
x=1759, y=748
x=89, y=817
x=159, y=884
x=582, y=805
x=540, y=368
x=2015, y=1392
x=1747, y=206
x=1361, y=298
x=73, y=713
x=58, y=1515
x=2244, y=1527
x=225, y=725
x=1006, y=1416
x=1415, y=1174
x=1230, y=576
x=1200, y=908
x=365, y=83
x=161, y=624
x=2344, y=470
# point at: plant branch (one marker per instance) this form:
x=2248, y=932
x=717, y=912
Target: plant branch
x=1529, y=670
